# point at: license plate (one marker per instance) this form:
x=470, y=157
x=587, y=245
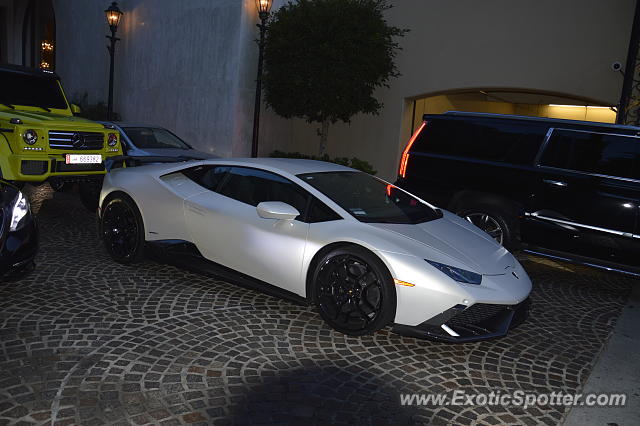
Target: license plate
x=84, y=159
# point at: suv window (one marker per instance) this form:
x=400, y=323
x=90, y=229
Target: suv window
x=487, y=140
x=605, y=154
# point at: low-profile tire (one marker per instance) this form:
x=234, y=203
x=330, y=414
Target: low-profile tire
x=499, y=224
x=122, y=229
x=353, y=291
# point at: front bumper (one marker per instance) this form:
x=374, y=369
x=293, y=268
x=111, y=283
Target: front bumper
x=38, y=168
x=461, y=324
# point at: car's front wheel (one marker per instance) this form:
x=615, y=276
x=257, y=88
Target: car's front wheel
x=354, y=291
x=122, y=229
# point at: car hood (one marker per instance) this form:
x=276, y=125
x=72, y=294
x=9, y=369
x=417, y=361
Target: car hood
x=48, y=118
x=174, y=152
x=456, y=238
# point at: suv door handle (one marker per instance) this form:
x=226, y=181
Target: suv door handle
x=555, y=182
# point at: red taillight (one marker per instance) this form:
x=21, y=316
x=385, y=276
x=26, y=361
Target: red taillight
x=405, y=154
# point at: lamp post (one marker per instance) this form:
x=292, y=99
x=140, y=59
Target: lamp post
x=113, y=19
x=263, y=6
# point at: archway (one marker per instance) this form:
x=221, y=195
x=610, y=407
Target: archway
x=515, y=102
x=38, y=35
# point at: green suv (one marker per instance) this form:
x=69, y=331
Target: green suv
x=41, y=140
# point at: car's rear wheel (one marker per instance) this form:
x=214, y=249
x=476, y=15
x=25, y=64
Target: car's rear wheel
x=354, y=291
x=122, y=229
x=499, y=225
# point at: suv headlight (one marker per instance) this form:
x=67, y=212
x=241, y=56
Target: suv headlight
x=457, y=274
x=112, y=139
x=30, y=137
x=19, y=211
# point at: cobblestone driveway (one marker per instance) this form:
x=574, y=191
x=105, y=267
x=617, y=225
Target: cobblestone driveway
x=87, y=341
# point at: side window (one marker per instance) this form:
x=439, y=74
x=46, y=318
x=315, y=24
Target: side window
x=207, y=176
x=319, y=212
x=489, y=140
x=252, y=186
x=612, y=155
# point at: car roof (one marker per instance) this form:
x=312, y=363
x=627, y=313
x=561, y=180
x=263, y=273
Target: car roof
x=292, y=166
x=119, y=124
x=19, y=69
x=541, y=120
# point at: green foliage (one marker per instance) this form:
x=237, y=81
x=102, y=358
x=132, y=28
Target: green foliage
x=354, y=163
x=325, y=58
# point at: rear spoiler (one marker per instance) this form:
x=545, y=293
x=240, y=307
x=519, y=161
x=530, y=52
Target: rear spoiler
x=132, y=161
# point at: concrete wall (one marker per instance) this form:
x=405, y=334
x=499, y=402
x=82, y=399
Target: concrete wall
x=189, y=66
x=565, y=47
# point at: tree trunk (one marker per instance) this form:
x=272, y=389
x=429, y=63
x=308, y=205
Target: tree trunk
x=323, y=137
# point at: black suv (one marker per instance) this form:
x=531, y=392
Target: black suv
x=560, y=188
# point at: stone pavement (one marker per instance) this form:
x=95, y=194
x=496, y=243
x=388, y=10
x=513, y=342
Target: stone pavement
x=86, y=341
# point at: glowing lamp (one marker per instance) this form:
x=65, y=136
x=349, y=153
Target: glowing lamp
x=113, y=14
x=263, y=6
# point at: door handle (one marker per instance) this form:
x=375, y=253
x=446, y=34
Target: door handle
x=558, y=183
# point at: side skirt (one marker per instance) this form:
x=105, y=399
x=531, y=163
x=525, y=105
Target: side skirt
x=186, y=255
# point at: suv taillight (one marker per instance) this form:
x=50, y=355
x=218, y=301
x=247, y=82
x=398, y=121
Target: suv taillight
x=402, y=171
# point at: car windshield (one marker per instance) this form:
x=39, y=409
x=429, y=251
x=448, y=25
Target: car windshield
x=149, y=137
x=31, y=90
x=370, y=199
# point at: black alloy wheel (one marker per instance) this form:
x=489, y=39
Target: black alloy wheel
x=354, y=292
x=122, y=230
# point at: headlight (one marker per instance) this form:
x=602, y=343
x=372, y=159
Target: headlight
x=30, y=137
x=20, y=210
x=457, y=274
x=112, y=139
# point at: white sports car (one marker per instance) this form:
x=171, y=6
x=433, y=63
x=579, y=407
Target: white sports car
x=364, y=252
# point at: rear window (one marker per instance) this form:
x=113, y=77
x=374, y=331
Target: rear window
x=489, y=140
x=599, y=153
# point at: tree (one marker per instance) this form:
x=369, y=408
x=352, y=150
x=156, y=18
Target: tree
x=325, y=58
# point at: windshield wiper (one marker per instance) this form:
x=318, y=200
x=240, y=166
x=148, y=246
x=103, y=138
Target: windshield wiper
x=8, y=105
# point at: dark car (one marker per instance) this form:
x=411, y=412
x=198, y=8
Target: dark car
x=561, y=188
x=18, y=232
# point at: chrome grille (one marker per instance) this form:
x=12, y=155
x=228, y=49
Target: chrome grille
x=60, y=139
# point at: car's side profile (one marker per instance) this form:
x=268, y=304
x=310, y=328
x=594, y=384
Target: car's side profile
x=365, y=252
x=143, y=140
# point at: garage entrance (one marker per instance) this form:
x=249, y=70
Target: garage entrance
x=513, y=102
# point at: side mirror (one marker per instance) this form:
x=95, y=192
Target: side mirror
x=277, y=210
x=75, y=109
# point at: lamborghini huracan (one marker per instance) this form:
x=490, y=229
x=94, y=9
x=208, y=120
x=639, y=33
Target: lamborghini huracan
x=366, y=253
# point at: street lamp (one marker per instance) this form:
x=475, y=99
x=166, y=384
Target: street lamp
x=114, y=14
x=263, y=6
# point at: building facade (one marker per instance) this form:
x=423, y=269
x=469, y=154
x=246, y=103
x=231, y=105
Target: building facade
x=191, y=66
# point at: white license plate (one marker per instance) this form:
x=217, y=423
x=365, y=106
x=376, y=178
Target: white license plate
x=84, y=159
